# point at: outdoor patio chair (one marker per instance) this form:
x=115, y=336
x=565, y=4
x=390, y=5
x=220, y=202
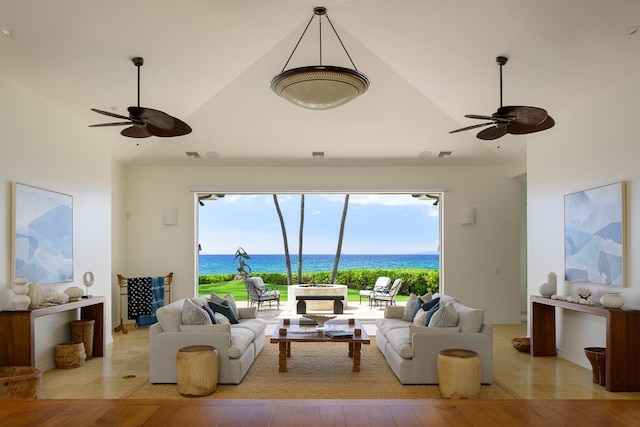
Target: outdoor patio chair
x=388, y=296
x=257, y=293
x=381, y=284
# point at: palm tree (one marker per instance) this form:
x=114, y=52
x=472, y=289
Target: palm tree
x=334, y=273
x=287, y=257
x=300, y=239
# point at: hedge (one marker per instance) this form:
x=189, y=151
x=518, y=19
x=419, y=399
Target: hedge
x=417, y=281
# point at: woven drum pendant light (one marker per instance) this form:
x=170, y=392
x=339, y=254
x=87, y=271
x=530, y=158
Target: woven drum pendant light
x=320, y=87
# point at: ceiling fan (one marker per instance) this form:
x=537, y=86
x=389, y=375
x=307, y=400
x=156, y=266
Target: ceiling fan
x=516, y=120
x=146, y=121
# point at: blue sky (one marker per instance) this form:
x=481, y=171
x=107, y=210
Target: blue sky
x=376, y=224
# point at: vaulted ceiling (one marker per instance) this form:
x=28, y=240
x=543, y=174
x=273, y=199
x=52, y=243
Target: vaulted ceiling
x=430, y=62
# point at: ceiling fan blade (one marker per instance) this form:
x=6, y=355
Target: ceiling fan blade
x=494, y=117
x=471, y=127
x=136, y=132
x=520, y=129
x=107, y=113
x=111, y=124
x=180, y=128
x=492, y=133
x=157, y=118
x=524, y=115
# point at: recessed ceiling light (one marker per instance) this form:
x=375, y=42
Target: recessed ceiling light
x=445, y=153
x=632, y=30
x=213, y=154
x=317, y=154
x=6, y=31
x=193, y=154
x=424, y=154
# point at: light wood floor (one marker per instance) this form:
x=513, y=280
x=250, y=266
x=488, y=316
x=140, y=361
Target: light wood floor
x=553, y=391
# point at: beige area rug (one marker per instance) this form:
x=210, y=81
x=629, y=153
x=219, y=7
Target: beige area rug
x=319, y=371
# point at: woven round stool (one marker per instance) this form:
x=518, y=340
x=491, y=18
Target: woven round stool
x=70, y=355
x=459, y=374
x=197, y=370
x=20, y=382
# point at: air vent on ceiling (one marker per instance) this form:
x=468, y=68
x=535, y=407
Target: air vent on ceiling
x=193, y=154
x=317, y=154
x=445, y=153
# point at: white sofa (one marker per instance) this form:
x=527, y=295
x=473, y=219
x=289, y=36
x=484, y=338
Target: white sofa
x=412, y=351
x=238, y=345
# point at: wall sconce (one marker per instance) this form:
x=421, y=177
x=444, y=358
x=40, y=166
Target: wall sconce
x=467, y=215
x=169, y=216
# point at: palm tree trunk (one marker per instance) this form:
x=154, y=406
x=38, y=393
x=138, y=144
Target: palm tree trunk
x=334, y=273
x=287, y=257
x=300, y=239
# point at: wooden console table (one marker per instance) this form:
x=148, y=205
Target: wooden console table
x=622, y=370
x=17, y=329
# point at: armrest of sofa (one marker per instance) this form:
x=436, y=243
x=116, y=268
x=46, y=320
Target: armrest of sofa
x=247, y=312
x=393, y=312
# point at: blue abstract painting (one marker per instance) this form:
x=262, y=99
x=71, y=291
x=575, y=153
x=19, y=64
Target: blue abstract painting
x=594, y=235
x=42, y=235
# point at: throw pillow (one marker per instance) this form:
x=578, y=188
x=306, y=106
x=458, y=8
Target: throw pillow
x=194, y=315
x=429, y=304
x=221, y=319
x=206, y=308
x=430, y=314
x=418, y=319
x=216, y=298
x=446, y=317
x=224, y=309
x=426, y=297
x=470, y=319
x=232, y=304
x=409, y=308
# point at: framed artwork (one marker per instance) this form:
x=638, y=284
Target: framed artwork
x=595, y=235
x=42, y=235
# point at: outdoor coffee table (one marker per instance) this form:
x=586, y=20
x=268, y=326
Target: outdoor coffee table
x=290, y=330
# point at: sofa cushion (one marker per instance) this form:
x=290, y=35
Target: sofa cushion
x=194, y=315
x=206, y=328
x=399, y=339
x=469, y=319
x=241, y=338
x=257, y=326
x=225, y=309
x=384, y=325
x=170, y=316
x=444, y=318
x=413, y=329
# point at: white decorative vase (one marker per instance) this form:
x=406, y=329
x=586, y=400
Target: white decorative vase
x=21, y=300
x=612, y=300
x=35, y=294
x=74, y=292
x=547, y=289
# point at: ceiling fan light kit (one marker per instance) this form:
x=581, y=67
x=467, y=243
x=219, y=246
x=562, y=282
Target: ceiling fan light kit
x=515, y=120
x=319, y=87
x=146, y=122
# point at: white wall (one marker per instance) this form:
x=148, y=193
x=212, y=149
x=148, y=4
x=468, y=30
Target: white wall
x=44, y=146
x=593, y=144
x=471, y=254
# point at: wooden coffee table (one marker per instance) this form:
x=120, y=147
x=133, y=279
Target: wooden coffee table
x=290, y=330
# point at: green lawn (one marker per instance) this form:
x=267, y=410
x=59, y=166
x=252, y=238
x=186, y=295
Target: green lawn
x=239, y=291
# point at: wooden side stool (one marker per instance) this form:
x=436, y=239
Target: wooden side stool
x=459, y=374
x=197, y=370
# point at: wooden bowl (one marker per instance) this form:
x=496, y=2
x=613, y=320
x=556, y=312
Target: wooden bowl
x=522, y=344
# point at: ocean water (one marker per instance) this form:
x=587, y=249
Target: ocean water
x=223, y=264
